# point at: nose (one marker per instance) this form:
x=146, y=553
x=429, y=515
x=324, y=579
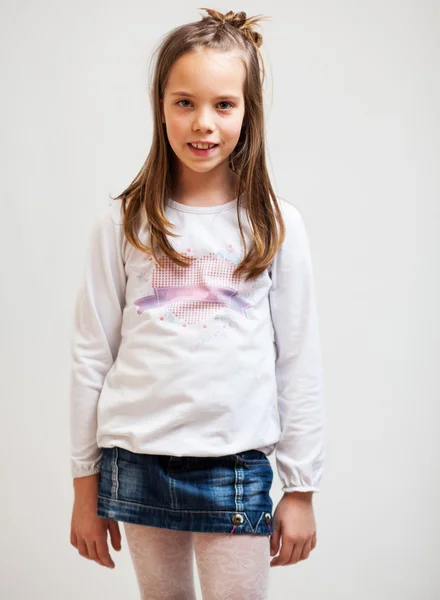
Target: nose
x=204, y=121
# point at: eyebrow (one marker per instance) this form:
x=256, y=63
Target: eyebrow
x=222, y=97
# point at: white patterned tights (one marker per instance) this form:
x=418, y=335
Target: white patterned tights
x=230, y=567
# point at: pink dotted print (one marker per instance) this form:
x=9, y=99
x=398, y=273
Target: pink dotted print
x=204, y=325
x=161, y=318
x=189, y=249
x=209, y=269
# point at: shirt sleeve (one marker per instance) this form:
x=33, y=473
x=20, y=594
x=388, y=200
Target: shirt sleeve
x=300, y=450
x=96, y=335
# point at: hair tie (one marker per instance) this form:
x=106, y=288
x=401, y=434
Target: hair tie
x=239, y=21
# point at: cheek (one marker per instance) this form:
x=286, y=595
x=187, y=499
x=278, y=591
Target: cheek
x=233, y=129
x=176, y=128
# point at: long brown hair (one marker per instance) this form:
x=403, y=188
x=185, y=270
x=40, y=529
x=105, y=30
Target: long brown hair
x=143, y=202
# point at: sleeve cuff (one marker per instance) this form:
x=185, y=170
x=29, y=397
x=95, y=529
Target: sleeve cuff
x=300, y=489
x=84, y=471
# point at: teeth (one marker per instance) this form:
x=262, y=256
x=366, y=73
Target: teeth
x=203, y=146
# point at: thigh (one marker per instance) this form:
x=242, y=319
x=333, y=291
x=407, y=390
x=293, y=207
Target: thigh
x=233, y=566
x=162, y=560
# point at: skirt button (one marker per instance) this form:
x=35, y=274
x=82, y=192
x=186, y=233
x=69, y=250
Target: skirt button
x=237, y=519
x=267, y=517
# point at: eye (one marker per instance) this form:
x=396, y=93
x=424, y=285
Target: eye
x=226, y=102
x=223, y=102
x=179, y=101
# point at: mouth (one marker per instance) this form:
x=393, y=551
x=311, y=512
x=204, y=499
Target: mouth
x=199, y=152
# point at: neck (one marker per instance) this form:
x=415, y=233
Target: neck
x=205, y=189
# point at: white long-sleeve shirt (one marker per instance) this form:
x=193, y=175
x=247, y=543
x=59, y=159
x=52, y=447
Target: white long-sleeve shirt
x=195, y=361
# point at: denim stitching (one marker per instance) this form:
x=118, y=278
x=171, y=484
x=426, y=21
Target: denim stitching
x=171, y=486
x=249, y=522
x=239, y=477
x=259, y=520
x=238, y=484
x=178, y=510
x=115, y=474
x=249, y=463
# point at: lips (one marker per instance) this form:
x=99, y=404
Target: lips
x=201, y=152
x=204, y=143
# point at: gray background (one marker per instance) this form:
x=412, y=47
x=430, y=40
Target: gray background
x=352, y=108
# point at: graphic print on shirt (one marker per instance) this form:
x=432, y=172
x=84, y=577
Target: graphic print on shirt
x=195, y=293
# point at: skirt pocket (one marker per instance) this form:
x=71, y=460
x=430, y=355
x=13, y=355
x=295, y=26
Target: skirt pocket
x=252, y=457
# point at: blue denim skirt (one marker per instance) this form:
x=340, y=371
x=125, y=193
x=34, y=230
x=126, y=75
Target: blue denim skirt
x=221, y=494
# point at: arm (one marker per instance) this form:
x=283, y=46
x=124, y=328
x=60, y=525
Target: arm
x=96, y=336
x=300, y=450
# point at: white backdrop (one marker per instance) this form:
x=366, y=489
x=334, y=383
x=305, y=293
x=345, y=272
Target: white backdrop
x=353, y=129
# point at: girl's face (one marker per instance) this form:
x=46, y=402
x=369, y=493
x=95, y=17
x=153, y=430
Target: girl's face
x=203, y=100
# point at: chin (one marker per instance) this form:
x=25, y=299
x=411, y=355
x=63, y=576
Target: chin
x=200, y=165
x=201, y=168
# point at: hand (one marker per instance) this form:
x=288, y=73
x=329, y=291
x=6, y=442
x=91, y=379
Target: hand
x=295, y=522
x=88, y=531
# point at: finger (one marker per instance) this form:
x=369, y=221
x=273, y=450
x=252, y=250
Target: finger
x=285, y=553
x=314, y=541
x=115, y=534
x=73, y=538
x=92, y=551
x=296, y=553
x=96, y=556
x=82, y=548
x=103, y=553
x=306, y=549
x=275, y=541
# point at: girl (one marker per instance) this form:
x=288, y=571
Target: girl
x=196, y=350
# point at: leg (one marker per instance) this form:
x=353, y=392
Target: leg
x=163, y=562
x=233, y=567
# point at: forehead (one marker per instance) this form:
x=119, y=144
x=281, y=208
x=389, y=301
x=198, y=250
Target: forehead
x=207, y=73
